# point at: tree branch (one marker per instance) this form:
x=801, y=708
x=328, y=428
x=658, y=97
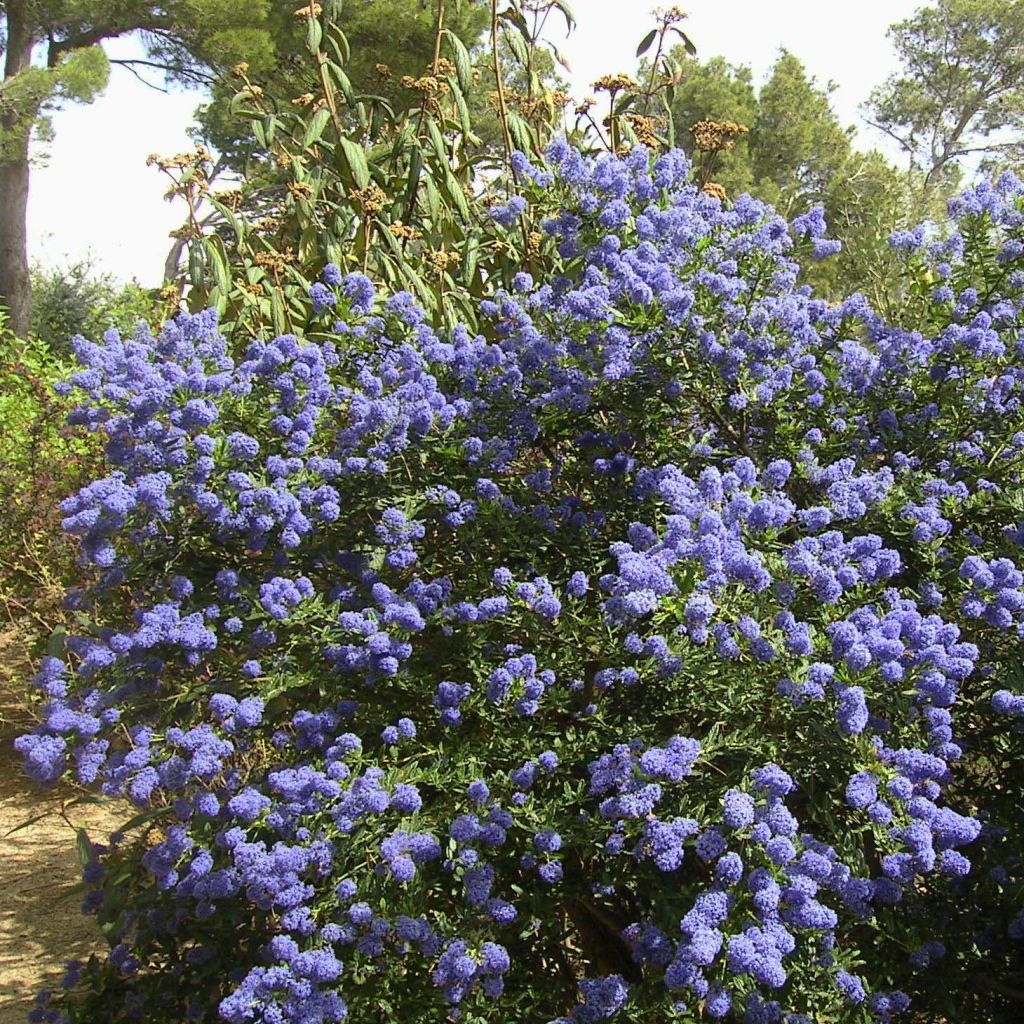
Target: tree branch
x=90, y=37
x=907, y=146
x=128, y=65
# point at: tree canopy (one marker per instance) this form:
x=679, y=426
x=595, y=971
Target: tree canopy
x=960, y=91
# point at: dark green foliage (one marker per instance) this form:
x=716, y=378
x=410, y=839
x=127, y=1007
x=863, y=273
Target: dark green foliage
x=77, y=300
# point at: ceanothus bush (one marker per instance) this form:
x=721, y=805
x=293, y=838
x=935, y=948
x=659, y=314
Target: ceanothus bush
x=652, y=655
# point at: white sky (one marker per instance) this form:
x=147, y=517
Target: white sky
x=96, y=196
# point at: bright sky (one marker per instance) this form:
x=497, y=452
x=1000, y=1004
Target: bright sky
x=96, y=196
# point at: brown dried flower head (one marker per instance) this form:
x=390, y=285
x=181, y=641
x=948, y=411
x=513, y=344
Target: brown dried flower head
x=717, y=136
x=713, y=189
x=444, y=68
x=383, y=70
x=614, y=83
x=371, y=199
x=427, y=84
x=229, y=197
x=645, y=128
x=400, y=230
x=310, y=10
x=441, y=260
x=274, y=261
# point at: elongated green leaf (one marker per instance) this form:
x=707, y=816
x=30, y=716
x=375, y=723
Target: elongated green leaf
x=687, y=42
x=558, y=55
x=470, y=252
x=517, y=45
x=355, y=161
x=437, y=140
x=239, y=101
x=317, y=123
x=433, y=197
x=646, y=42
x=570, y=18
x=314, y=35
x=458, y=197
x=277, y=312
x=521, y=132
x=196, y=265
x=55, y=645
x=514, y=16
x=624, y=102
x=339, y=41
x=463, y=65
x=83, y=846
x=307, y=244
x=217, y=260
x=237, y=226
x=28, y=823
x=343, y=82
x=465, y=122
x=415, y=170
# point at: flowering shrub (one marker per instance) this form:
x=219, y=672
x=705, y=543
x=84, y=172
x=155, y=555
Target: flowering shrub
x=652, y=655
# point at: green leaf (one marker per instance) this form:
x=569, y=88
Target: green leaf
x=339, y=42
x=237, y=226
x=463, y=64
x=26, y=824
x=343, y=82
x=415, y=169
x=470, y=252
x=645, y=43
x=570, y=18
x=314, y=35
x=238, y=102
x=316, y=127
x=307, y=243
x=196, y=265
x=437, y=140
x=518, y=46
x=55, y=645
x=521, y=132
x=465, y=122
x=216, y=257
x=558, y=55
x=624, y=102
x=277, y=312
x=355, y=160
x=687, y=42
x=455, y=193
x=433, y=197
x=83, y=846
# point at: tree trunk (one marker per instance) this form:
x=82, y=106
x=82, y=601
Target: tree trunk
x=15, y=130
x=15, y=288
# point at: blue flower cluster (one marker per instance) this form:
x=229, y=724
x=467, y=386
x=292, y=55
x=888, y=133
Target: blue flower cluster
x=656, y=646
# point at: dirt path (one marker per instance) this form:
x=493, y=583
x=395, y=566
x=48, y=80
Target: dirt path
x=41, y=925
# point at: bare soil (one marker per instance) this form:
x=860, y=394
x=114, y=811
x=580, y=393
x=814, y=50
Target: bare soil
x=41, y=924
